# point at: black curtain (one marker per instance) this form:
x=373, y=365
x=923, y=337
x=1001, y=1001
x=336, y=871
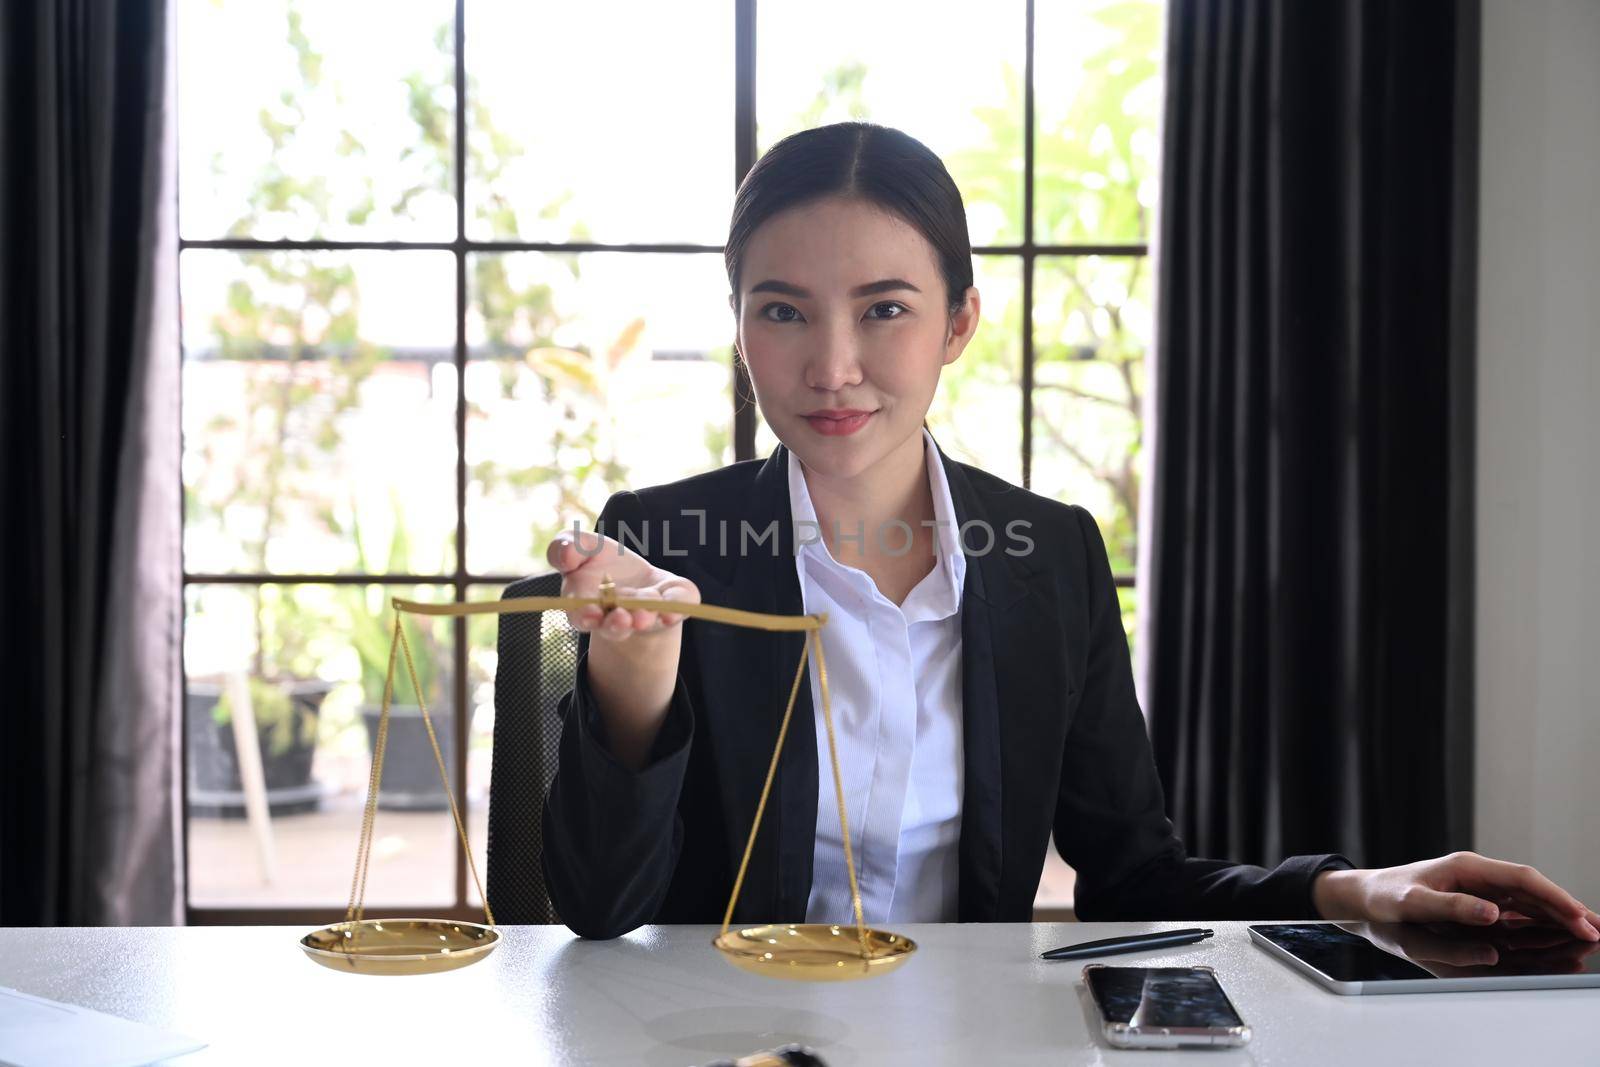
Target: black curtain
x=1310, y=584
x=89, y=579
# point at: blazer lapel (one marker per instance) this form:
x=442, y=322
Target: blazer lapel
x=1011, y=664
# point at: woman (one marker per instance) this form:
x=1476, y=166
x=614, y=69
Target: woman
x=978, y=669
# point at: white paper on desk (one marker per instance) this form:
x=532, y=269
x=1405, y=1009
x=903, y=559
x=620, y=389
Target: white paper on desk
x=35, y=1032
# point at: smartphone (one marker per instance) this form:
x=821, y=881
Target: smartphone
x=1164, y=1007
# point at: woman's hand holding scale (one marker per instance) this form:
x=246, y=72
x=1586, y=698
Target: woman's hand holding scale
x=585, y=558
x=634, y=667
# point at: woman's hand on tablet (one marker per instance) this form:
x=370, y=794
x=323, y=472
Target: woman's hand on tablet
x=1462, y=887
x=583, y=557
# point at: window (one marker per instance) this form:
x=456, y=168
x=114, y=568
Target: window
x=435, y=291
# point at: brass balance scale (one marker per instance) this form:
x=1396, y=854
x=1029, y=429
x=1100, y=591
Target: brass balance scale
x=814, y=952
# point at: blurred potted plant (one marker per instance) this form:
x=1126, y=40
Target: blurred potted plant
x=285, y=703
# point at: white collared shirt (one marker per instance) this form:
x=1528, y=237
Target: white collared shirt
x=894, y=679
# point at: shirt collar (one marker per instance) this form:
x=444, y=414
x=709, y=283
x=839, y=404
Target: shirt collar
x=952, y=561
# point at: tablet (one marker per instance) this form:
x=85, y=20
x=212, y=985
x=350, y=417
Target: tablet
x=1357, y=958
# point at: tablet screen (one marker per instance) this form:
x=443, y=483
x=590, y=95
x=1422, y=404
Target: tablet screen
x=1384, y=952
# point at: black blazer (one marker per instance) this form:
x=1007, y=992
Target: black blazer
x=1053, y=737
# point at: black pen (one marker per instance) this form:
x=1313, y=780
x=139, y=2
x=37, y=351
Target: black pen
x=1110, y=946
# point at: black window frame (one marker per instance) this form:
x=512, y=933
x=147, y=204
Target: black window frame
x=743, y=415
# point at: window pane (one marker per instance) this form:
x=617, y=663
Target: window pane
x=600, y=122
x=1056, y=884
x=319, y=412
x=310, y=662
x=295, y=123
x=1097, y=96
x=952, y=81
x=976, y=414
x=588, y=374
x=766, y=440
x=1128, y=597
x=1091, y=325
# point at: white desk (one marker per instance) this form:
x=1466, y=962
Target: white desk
x=972, y=995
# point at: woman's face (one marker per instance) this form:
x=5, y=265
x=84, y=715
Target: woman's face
x=842, y=308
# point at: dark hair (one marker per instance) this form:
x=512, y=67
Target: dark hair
x=877, y=164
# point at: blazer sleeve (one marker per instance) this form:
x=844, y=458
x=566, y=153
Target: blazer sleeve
x=612, y=835
x=1111, y=822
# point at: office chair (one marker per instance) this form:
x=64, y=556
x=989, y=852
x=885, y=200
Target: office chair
x=538, y=663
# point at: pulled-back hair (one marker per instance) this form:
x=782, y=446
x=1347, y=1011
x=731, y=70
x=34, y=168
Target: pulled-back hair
x=877, y=164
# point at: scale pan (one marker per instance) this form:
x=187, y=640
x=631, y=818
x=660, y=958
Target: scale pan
x=813, y=952
x=400, y=946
